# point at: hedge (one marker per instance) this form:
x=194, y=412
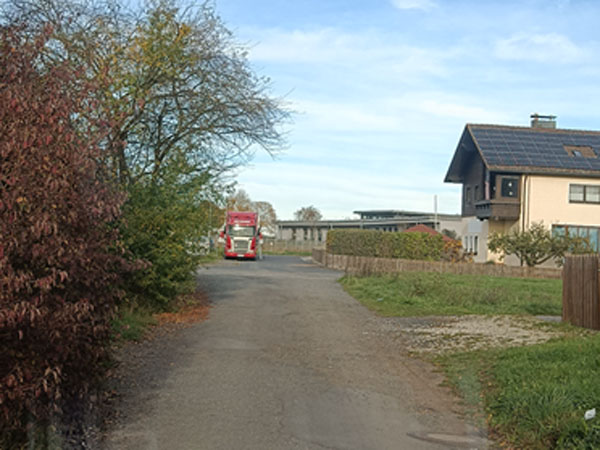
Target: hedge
x=384, y=244
x=59, y=252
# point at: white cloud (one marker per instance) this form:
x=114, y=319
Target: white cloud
x=360, y=52
x=462, y=111
x=340, y=116
x=414, y=4
x=550, y=47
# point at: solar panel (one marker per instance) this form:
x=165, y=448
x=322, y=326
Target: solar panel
x=535, y=147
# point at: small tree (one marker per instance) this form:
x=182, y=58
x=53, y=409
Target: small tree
x=308, y=213
x=536, y=245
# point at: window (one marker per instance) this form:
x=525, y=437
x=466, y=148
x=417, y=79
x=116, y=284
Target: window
x=576, y=193
x=580, y=151
x=469, y=245
x=592, y=194
x=476, y=194
x=591, y=233
x=468, y=195
x=240, y=231
x=583, y=193
x=475, y=244
x=509, y=187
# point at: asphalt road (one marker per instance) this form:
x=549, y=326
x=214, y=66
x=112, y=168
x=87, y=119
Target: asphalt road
x=286, y=360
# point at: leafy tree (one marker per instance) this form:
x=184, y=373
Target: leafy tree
x=308, y=213
x=184, y=108
x=59, y=249
x=180, y=86
x=537, y=245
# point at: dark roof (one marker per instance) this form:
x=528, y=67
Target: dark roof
x=529, y=150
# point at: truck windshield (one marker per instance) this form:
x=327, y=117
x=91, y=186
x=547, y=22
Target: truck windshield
x=240, y=231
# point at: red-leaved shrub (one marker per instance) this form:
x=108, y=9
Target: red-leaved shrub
x=58, y=249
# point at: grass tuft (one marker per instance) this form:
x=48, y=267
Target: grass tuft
x=131, y=324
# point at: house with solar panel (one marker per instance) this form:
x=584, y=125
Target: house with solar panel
x=514, y=176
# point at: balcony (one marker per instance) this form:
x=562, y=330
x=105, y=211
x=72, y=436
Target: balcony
x=498, y=209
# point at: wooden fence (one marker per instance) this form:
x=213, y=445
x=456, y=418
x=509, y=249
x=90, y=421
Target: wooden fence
x=362, y=265
x=581, y=295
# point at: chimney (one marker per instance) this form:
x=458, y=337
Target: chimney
x=541, y=121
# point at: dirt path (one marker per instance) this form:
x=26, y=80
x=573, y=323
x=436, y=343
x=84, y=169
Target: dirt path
x=286, y=360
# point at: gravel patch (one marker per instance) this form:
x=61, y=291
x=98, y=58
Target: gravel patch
x=451, y=334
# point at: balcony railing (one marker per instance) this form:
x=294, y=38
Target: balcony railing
x=498, y=209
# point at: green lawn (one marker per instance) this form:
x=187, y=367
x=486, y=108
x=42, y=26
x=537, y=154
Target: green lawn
x=530, y=397
x=424, y=293
x=534, y=397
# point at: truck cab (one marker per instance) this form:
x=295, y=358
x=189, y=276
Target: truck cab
x=241, y=235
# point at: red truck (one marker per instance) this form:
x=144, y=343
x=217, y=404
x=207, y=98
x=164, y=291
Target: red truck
x=241, y=235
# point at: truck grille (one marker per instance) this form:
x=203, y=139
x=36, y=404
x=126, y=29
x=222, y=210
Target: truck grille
x=240, y=246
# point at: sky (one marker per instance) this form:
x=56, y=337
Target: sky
x=382, y=89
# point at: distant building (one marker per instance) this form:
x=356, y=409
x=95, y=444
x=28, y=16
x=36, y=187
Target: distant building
x=385, y=220
x=513, y=177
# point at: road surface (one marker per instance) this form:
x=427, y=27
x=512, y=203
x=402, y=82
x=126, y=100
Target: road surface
x=286, y=360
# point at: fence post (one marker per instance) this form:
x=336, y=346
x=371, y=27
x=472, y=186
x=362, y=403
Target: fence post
x=581, y=291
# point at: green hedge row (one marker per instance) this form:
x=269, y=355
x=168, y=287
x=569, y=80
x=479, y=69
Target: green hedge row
x=385, y=244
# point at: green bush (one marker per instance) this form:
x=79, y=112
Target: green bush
x=165, y=226
x=384, y=244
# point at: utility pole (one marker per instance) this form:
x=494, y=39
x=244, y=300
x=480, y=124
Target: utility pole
x=435, y=213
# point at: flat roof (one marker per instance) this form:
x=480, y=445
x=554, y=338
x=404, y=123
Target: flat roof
x=427, y=218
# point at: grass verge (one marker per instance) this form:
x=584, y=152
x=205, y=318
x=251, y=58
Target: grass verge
x=533, y=397
x=131, y=324
x=212, y=256
x=423, y=293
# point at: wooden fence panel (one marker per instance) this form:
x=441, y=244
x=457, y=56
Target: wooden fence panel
x=581, y=295
x=362, y=265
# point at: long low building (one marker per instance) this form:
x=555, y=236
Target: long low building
x=386, y=220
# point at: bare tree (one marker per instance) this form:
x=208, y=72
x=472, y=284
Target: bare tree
x=268, y=217
x=308, y=213
x=240, y=201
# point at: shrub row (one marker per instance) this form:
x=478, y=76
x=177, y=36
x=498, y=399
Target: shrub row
x=59, y=263
x=384, y=244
